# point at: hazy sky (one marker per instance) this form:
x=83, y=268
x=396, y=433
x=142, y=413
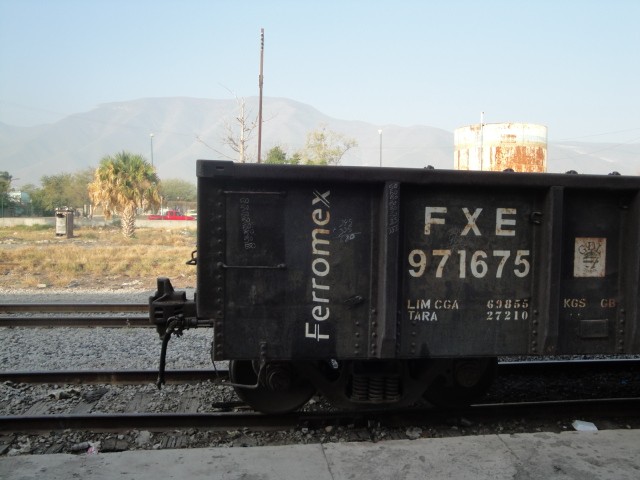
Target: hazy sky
x=571, y=65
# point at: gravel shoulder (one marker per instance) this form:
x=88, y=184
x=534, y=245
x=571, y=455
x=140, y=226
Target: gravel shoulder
x=102, y=348
x=23, y=349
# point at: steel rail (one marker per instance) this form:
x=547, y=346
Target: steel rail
x=114, y=377
x=626, y=408
x=147, y=421
x=133, y=377
x=73, y=307
x=591, y=366
x=76, y=322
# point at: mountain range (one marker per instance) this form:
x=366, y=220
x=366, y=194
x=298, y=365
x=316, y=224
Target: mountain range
x=187, y=129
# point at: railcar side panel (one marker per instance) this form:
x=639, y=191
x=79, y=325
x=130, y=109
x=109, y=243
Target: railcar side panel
x=292, y=271
x=592, y=294
x=468, y=262
x=347, y=263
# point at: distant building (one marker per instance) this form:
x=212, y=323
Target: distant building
x=521, y=147
x=19, y=203
x=22, y=198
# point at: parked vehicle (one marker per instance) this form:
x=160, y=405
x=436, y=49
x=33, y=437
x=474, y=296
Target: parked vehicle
x=171, y=215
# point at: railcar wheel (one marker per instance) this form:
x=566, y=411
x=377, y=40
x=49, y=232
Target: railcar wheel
x=280, y=389
x=461, y=382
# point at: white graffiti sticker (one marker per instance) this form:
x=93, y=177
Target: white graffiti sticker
x=589, y=257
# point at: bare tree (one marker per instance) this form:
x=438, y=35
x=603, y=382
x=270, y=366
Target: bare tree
x=240, y=131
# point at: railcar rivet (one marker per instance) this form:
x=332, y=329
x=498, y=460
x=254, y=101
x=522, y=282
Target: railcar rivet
x=534, y=332
x=357, y=334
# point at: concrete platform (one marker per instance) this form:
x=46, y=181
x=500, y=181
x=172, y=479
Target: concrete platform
x=612, y=454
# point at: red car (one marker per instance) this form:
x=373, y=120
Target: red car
x=171, y=215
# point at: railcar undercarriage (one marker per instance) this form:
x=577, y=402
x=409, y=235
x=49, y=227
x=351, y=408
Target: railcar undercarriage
x=277, y=386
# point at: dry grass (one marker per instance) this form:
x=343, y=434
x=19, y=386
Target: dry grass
x=31, y=257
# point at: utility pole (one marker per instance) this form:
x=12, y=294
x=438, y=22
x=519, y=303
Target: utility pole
x=260, y=82
x=481, y=141
x=151, y=137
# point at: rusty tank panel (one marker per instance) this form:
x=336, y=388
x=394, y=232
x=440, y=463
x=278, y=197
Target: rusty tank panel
x=521, y=147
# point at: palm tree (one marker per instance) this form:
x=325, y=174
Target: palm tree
x=121, y=184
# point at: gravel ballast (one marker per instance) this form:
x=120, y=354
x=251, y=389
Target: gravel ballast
x=38, y=349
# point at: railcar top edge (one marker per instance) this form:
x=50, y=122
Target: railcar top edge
x=364, y=174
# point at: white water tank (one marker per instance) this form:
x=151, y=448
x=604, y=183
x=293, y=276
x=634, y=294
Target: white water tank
x=521, y=147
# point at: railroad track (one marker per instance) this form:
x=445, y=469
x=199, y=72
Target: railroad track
x=233, y=415
x=476, y=414
x=113, y=377
x=109, y=315
x=73, y=307
x=133, y=377
x=123, y=315
x=106, y=315
x=76, y=322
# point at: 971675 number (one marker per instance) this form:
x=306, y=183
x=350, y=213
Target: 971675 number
x=479, y=263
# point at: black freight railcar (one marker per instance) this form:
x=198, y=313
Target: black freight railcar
x=379, y=286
